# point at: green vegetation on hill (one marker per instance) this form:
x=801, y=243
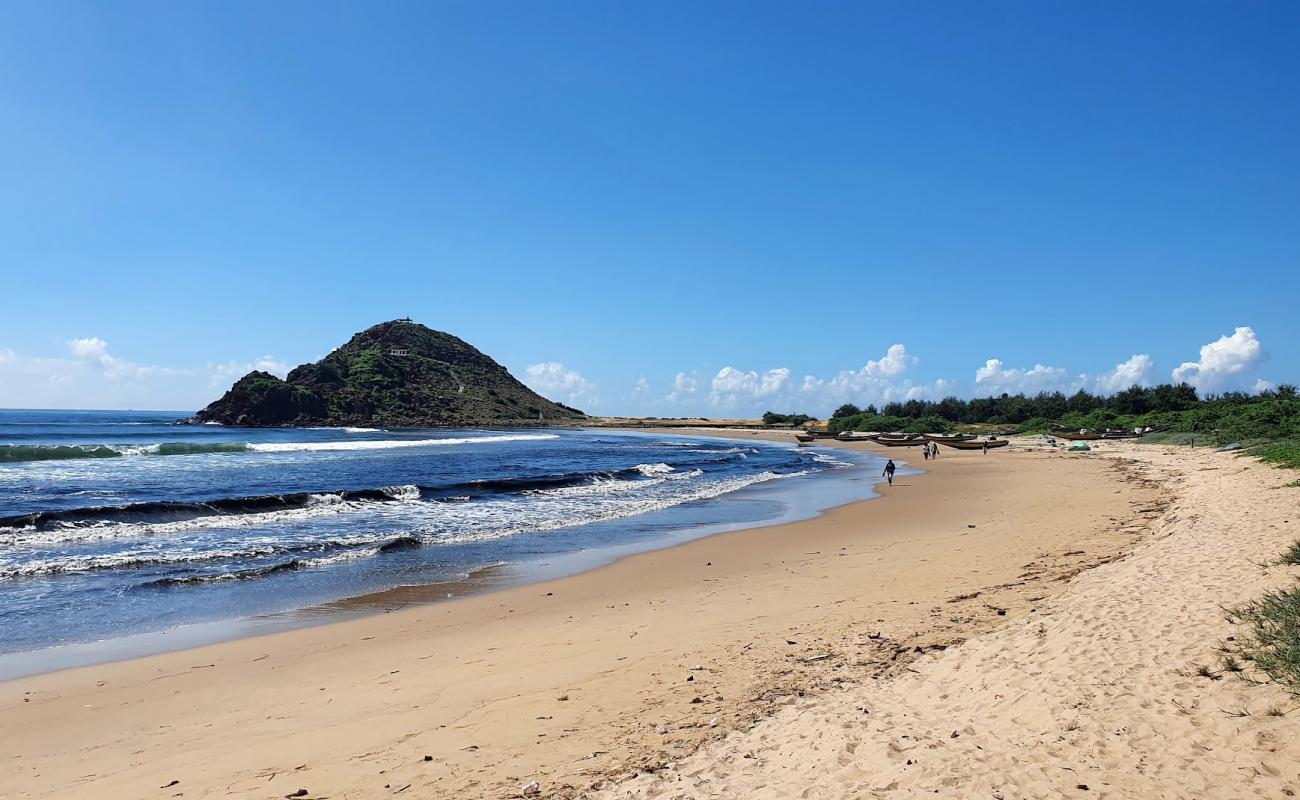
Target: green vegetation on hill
x=395, y=374
x=773, y=418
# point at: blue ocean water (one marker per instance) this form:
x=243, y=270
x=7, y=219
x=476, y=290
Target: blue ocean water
x=120, y=523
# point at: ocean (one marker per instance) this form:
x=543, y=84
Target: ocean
x=123, y=533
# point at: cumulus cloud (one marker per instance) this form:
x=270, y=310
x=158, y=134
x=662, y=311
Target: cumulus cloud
x=731, y=387
x=878, y=381
x=222, y=376
x=995, y=378
x=1262, y=386
x=1225, y=363
x=553, y=380
x=90, y=375
x=1136, y=371
x=684, y=388
x=93, y=352
x=753, y=391
x=642, y=386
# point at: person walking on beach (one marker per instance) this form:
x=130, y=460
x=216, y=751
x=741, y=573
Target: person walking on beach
x=925, y=451
x=889, y=472
x=986, y=448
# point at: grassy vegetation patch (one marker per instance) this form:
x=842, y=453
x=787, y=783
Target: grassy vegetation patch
x=1292, y=555
x=1273, y=644
x=1283, y=454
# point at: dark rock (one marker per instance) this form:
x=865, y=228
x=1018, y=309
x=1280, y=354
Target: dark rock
x=395, y=374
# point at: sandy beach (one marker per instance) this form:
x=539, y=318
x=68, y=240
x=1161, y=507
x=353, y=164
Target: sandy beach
x=1012, y=625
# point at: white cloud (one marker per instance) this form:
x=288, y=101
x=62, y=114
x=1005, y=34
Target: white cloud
x=223, y=376
x=751, y=392
x=1262, y=386
x=642, y=386
x=894, y=363
x=92, y=347
x=91, y=376
x=553, y=380
x=995, y=378
x=1135, y=371
x=731, y=387
x=1224, y=363
x=684, y=387
x=879, y=381
x=93, y=351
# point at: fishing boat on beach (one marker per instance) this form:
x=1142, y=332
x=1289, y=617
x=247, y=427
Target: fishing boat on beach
x=1082, y=435
x=974, y=445
x=955, y=437
x=804, y=438
x=851, y=436
x=911, y=440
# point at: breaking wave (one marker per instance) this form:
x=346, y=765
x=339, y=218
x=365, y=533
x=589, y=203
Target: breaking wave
x=145, y=545
x=14, y=453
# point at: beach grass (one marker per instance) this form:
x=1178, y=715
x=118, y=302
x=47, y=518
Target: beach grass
x=1273, y=644
x=1292, y=555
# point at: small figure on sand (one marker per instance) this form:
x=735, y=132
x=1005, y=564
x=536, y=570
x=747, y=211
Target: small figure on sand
x=889, y=472
x=934, y=449
x=925, y=451
x=986, y=448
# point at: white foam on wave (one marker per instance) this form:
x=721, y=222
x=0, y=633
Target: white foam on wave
x=652, y=469
x=225, y=537
x=562, y=512
x=383, y=444
x=407, y=493
x=822, y=458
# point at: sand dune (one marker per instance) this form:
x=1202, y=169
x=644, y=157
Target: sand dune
x=1094, y=694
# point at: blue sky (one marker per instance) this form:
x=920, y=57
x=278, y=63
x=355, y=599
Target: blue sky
x=666, y=208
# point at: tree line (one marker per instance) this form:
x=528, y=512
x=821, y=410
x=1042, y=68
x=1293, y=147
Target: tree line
x=1271, y=414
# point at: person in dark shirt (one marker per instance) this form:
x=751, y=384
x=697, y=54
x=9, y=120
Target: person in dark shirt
x=889, y=472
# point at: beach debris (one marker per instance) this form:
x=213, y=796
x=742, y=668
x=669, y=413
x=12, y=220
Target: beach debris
x=562, y=698
x=169, y=785
x=299, y=793
x=791, y=641
x=428, y=758
x=970, y=526
x=713, y=723
x=690, y=678
x=661, y=729
x=532, y=789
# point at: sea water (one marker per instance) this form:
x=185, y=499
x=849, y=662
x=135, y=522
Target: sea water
x=118, y=524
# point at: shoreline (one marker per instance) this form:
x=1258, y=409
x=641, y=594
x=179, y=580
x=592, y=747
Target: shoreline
x=485, y=579
x=1120, y=685
x=571, y=681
